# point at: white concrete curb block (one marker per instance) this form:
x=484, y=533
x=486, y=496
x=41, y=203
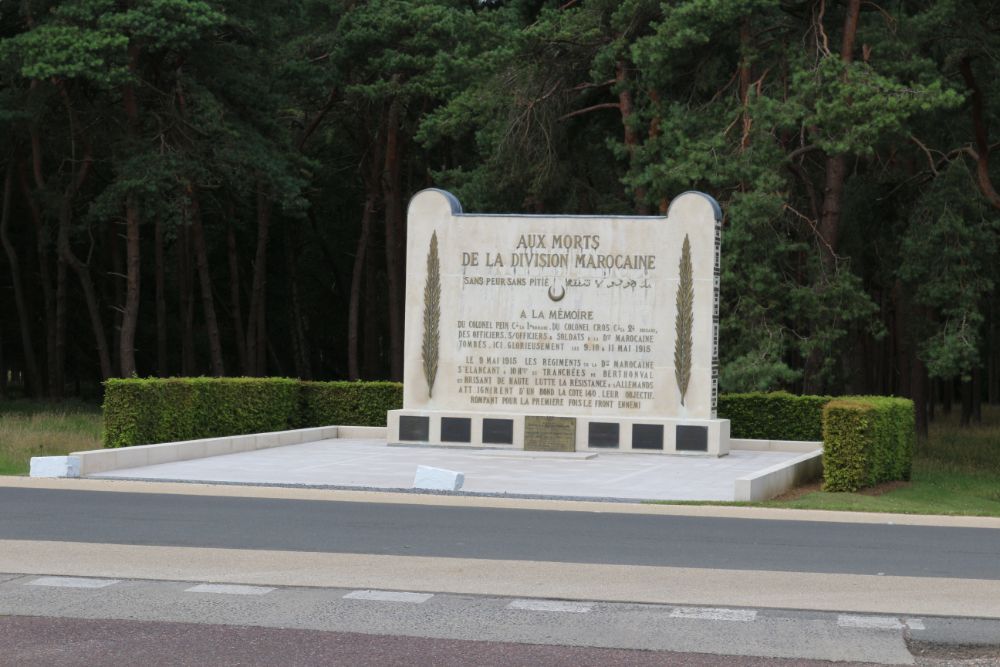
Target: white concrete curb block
x=55, y=466
x=438, y=479
x=770, y=482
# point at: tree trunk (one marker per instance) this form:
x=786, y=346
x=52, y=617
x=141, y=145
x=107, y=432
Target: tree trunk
x=981, y=154
x=90, y=297
x=357, y=276
x=117, y=285
x=933, y=389
x=918, y=385
x=300, y=345
x=947, y=395
x=185, y=300
x=904, y=354
x=992, y=356
x=631, y=137
x=966, y=417
x=394, y=246
x=205, y=279
x=89, y=293
x=371, y=360
x=3, y=369
x=234, y=296
x=836, y=165
x=54, y=361
x=257, y=321
x=62, y=322
x=23, y=318
x=130, y=314
x=162, y=368
x=977, y=395
x=133, y=249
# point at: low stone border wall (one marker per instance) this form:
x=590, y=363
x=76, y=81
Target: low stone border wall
x=778, y=479
x=81, y=464
x=102, y=460
x=775, y=445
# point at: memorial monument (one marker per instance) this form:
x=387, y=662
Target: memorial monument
x=562, y=333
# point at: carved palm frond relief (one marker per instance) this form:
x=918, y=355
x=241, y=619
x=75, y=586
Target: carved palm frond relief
x=432, y=315
x=683, y=328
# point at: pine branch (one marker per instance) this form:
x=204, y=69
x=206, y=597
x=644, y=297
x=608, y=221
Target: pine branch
x=684, y=325
x=432, y=315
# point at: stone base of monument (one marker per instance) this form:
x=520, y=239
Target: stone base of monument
x=705, y=437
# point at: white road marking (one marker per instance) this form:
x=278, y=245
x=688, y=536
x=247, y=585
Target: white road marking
x=915, y=624
x=229, y=589
x=714, y=614
x=551, y=605
x=869, y=622
x=73, y=582
x=389, y=596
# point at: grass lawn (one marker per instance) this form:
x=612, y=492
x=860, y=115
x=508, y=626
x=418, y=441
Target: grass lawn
x=956, y=471
x=30, y=428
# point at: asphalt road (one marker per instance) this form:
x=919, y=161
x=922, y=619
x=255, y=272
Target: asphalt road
x=120, y=642
x=494, y=533
x=481, y=629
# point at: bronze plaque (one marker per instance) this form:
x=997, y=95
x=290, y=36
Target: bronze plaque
x=550, y=434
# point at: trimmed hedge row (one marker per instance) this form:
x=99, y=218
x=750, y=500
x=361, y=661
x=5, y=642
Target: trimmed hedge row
x=146, y=411
x=867, y=440
x=773, y=416
x=354, y=403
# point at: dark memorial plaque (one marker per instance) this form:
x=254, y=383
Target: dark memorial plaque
x=498, y=431
x=415, y=428
x=456, y=429
x=550, y=434
x=647, y=436
x=603, y=434
x=692, y=438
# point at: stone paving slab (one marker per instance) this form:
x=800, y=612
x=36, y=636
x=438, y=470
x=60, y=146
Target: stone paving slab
x=370, y=464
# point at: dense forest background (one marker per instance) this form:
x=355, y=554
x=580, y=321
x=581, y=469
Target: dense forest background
x=219, y=187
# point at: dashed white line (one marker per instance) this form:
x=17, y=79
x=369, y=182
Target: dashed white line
x=389, y=596
x=714, y=614
x=551, y=605
x=73, y=582
x=870, y=622
x=229, y=589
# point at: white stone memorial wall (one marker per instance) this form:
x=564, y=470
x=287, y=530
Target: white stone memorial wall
x=585, y=316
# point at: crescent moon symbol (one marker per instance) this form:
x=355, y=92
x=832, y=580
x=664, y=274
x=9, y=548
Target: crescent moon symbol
x=557, y=297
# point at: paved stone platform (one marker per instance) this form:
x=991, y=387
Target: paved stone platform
x=370, y=464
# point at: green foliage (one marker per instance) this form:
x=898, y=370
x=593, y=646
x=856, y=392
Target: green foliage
x=353, y=403
x=867, y=440
x=324, y=110
x=141, y=411
x=773, y=416
x=949, y=255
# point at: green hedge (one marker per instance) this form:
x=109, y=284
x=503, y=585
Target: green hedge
x=867, y=440
x=774, y=416
x=354, y=403
x=145, y=411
